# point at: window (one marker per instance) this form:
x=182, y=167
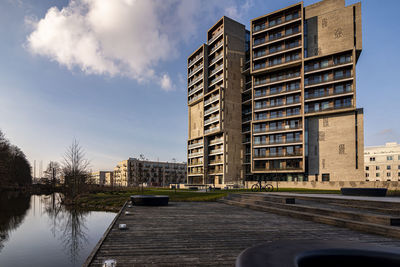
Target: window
x=367, y=168
x=388, y=174
x=388, y=167
x=389, y=158
x=377, y=168
x=367, y=175
x=372, y=159
x=324, y=63
x=325, y=177
x=377, y=175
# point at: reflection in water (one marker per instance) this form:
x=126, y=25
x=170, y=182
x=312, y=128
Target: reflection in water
x=67, y=224
x=13, y=208
x=39, y=231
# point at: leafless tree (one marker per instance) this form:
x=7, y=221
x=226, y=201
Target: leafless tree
x=75, y=170
x=53, y=172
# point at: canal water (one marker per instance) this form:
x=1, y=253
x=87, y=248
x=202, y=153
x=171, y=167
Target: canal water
x=36, y=230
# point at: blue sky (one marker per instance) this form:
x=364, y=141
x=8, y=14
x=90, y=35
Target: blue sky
x=128, y=97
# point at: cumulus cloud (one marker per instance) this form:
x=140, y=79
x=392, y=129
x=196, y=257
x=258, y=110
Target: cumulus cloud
x=120, y=37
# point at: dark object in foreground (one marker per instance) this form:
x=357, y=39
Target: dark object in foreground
x=150, y=200
x=369, y=192
x=310, y=253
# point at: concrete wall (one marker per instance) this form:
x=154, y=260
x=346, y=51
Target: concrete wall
x=394, y=185
x=331, y=147
x=196, y=120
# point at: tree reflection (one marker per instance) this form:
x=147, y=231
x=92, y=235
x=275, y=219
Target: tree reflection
x=67, y=224
x=13, y=209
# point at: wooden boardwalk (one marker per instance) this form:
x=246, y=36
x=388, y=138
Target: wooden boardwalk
x=206, y=234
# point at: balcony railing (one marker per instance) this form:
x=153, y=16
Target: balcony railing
x=215, y=80
x=278, y=169
x=216, y=162
x=275, y=129
x=217, y=45
x=210, y=100
x=218, y=57
x=216, y=35
x=210, y=130
x=215, y=151
x=272, y=38
x=195, y=81
x=316, y=94
x=196, y=154
x=216, y=70
x=337, y=106
x=196, y=98
x=280, y=104
x=308, y=68
x=195, y=89
x=195, y=69
x=195, y=145
x=211, y=120
x=278, y=155
x=211, y=110
x=216, y=141
x=277, y=79
x=194, y=60
x=330, y=79
x=277, y=142
x=263, y=26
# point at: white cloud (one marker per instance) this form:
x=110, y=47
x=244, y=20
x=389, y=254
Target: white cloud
x=127, y=38
x=166, y=83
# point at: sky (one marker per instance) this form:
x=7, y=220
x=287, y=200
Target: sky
x=112, y=74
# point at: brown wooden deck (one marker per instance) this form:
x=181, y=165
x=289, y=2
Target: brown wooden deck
x=206, y=234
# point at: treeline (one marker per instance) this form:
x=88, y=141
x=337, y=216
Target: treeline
x=15, y=169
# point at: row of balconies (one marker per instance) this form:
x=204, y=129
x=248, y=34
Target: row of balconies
x=276, y=78
x=212, y=129
x=277, y=142
x=275, y=90
x=278, y=155
x=269, y=38
x=328, y=77
x=215, y=47
x=327, y=92
x=329, y=105
x=277, y=49
x=275, y=22
x=217, y=69
x=216, y=151
x=216, y=80
x=196, y=144
x=216, y=36
x=272, y=62
x=277, y=114
x=211, y=110
x=277, y=102
x=216, y=141
x=195, y=154
x=195, y=89
x=216, y=58
x=281, y=127
x=327, y=63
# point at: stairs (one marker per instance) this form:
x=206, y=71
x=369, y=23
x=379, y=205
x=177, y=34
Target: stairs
x=375, y=217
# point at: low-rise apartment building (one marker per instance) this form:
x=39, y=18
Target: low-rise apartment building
x=382, y=163
x=133, y=172
x=100, y=177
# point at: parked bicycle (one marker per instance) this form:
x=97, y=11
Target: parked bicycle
x=258, y=187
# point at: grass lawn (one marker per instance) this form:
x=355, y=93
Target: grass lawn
x=114, y=200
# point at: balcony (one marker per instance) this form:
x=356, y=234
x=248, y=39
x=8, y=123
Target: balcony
x=277, y=105
x=218, y=68
x=216, y=162
x=195, y=173
x=195, y=154
x=278, y=155
x=272, y=39
x=194, y=60
x=275, y=23
x=215, y=37
x=217, y=57
x=216, y=141
x=276, y=129
x=324, y=66
x=211, y=110
x=210, y=130
x=211, y=100
x=191, y=146
x=196, y=89
x=211, y=120
x=329, y=108
x=195, y=164
x=277, y=142
x=275, y=116
x=195, y=81
x=215, y=172
x=265, y=81
x=195, y=70
x=216, y=151
x=317, y=95
x=215, y=48
x=257, y=169
x=197, y=97
x=216, y=80
x=326, y=80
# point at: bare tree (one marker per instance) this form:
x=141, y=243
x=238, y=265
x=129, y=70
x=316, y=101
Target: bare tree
x=53, y=172
x=75, y=170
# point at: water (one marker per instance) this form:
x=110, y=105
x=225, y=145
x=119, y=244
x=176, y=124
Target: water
x=39, y=231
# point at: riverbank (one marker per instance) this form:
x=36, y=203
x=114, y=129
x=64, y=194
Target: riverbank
x=113, y=200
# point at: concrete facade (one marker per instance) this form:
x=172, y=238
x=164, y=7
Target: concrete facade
x=298, y=116
x=99, y=177
x=382, y=163
x=134, y=172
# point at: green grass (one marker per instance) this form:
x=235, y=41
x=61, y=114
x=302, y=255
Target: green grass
x=113, y=200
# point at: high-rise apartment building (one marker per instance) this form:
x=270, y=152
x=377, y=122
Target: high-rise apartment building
x=298, y=116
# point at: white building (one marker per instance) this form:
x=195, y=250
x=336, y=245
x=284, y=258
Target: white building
x=382, y=163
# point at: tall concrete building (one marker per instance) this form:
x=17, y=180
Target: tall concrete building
x=297, y=120
x=382, y=163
